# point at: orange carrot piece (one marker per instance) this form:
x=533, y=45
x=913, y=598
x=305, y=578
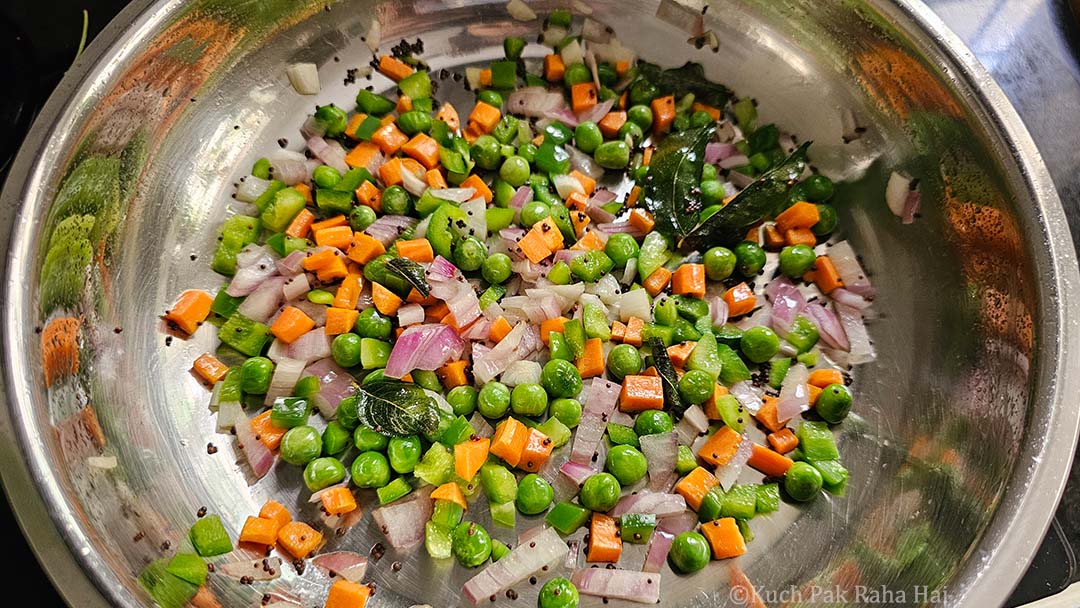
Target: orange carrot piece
x=394, y=68
x=389, y=138
x=588, y=241
x=391, y=171
x=448, y=114
x=361, y=155
x=485, y=77
x=499, y=329
x=824, y=377
x=711, y=410
x=291, y=324
x=724, y=538
x=305, y=190
x=336, y=501
x=663, y=109
x=605, y=545
x=538, y=447
x=695, y=486
x=209, y=368
x=587, y=183
x=773, y=238
x=404, y=104
x=611, y=123
x=825, y=275
x=482, y=189
x=591, y=363
x=740, y=300
x=451, y=491
x=435, y=312
x=369, y=195
x=720, y=447
x=554, y=68
x=60, y=349
x=509, y=440
x=622, y=67
x=365, y=248
x=689, y=280
x=354, y=124
x=485, y=116
x=631, y=199
x=577, y=201
x=618, y=331
x=549, y=232
x=301, y=224
x=424, y=149
x=579, y=219
x=783, y=441
x=190, y=310
x=642, y=220
x=646, y=155
x=417, y=250
x=640, y=393
x=799, y=215
x=346, y=594
x=259, y=531
x=434, y=178
x=583, y=97
x=814, y=392
x=549, y=325
x=634, y=327
x=266, y=432
x=533, y=247
x=800, y=236
x=333, y=271
x=330, y=222
x=299, y=539
x=679, y=353
x=766, y=414
x=453, y=374
x=769, y=462
x=386, y=301
x=340, y=320
x=348, y=293
x=714, y=113
x=338, y=236
x=275, y=511
x=657, y=281
x=469, y=456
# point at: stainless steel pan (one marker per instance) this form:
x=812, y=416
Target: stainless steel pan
x=966, y=423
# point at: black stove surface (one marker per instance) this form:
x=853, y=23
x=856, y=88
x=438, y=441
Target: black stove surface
x=39, y=40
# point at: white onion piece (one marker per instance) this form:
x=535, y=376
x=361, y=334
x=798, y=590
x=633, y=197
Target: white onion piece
x=481, y=426
x=374, y=35
x=572, y=53
x=794, y=394
x=693, y=424
x=850, y=271
x=292, y=264
x=747, y=395
x=472, y=76
x=476, y=218
x=410, y=314
x=251, y=188
x=413, y=183
x=287, y=373
x=613, y=52
x=304, y=77
x=265, y=569
x=457, y=195
x=566, y=185
x=660, y=504
x=729, y=472
x=634, y=303
x=733, y=161
x=402, y=522
x=521, y=372
x=829, y=327
x=661, y=452
x=544, y=549
x=258, y=456
x=330, y=153
x=629, y=273
x=312, y=346
x=495, y=361
x=896, y=192
x=553, y=35
x=345, y=564
x=289, y=167
x=335, y=384
x=295, y=287
x=848, y=298
x=262, y=303
x=534, y=102
x=520, y=11
x=600, y=400
x=640, y=587
x=229, y=412
x=594, y=31
x=862, y=349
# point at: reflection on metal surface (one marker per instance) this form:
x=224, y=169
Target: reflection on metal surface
x=963, y=427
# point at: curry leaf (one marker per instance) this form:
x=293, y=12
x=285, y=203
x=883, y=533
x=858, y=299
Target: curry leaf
x=411, y=272
x=690, y=78
x=396, y=408
x=672, y=193
x=760, y=200
x=670, y=380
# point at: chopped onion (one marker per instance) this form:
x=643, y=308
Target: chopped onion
x=479, y=330
x=287, y=373
x=660, y=504
x=544, y=549
x=410, y=314
x=829, y=327
x=265, y=569
x=388, y=228
x=902, y=196
x=566, y=185
x=258, y=456
x=794, y=393
x=716, y=152
x=312, y=346
x=729, y=472
x=458, y=293
x=495, y=361
x=862, y=350
x=520, y=11
x=787, y=302
x=335, y=384
x=262, y=303
x=850, y=271
x=634, y=303
x=521, y=372
x=590, y=62
x=694, y=424
x=630, y=272
x=251, y=188
x=847, y=298
x=718, y=310
x=619, y=227
x=456, y=195
x=733, y=161
x=254, y=265
x=304, y=77
x=600, y=400
x=597, y=112
x=374, y=35
x=345, y=564
x=740, y=180
x=317, y=312
x=229, y=412
x=577, y=472
x=426, y=347
x=289, y=167
x=661, y=452
x=564, y=115
x=594, y=31
x=331, y=154
x=746, y=394
x=572, y=53
x=553, y=35
x=402, y=522
x=481, y=426
x=295, y=287
x=412, y=182
x=534, y=102
x=292, y=264
x=476, y=218
x=667, y=528
x=613, y=52
x=640, y=587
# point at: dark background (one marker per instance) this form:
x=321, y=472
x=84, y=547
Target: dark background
x=38, y=41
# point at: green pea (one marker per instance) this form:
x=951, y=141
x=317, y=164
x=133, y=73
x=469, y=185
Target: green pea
x=369, y=440
x=335, y=437
x=396, y=201
x=332, y=119
x=255, y=375
x=818, y=188
x=640, y=115
x=696, y=386
x=496, y=268
x=795, y=260
x=347, y=413
x=587, y=137
x=826, y=220
x=709, y=173
x=712, y=192
x=515, y=171
x=759, y=344
x=261, y=168
x=612, y=155
x=623, y=360
x=558, y=593
x=534, y=212
x=493, y=400
x=361, y=217
x=600, y=492
x=345, y=349
x=749, y=258
x=627, y=464
x=371, y=324
x=528, y=400
x=797, y=193
x=300, y=445
x=689, y=552
x=325, y=176
x=700, y=118
x=802, y=481
x=370, y=470
x=323, y=473
x=469, y=254
x=834, y=403
x=567, y=411
x=403, y=453
x=527, y=151
x=642, y=92
x=414, y=122
x=486, y=152
x=534, y=494
x=561, y=379
x=653, y=422
x=462, y=399
x=719, y=263
x=471, y=544
x=633, y=130
x=576, y=73
x=621, y=248
x=681, y=123
x=490, y=97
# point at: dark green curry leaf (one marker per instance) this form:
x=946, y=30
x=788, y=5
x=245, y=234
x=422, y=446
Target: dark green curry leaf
x=393, y=407
x=673, y=401
x=760, y=200
x=690, y=78
x=410, y=272
x=672, y=193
